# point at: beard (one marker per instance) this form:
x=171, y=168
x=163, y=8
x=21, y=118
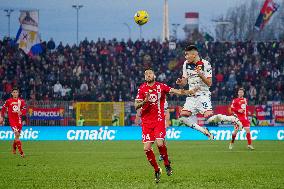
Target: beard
x=150, y=80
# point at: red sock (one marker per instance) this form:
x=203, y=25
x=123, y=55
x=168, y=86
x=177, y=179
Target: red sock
x=248, y=138
x=151, y=158
x=19, y=145
x=164, y=154
x=233, y=138
x=14, y=145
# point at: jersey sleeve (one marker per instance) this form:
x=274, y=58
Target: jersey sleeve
x=233, y=106
x=140, y=95
x=208, y=70
x=166, y=88
x=4, y=108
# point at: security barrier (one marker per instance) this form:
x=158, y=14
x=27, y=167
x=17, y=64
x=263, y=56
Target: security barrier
x=67, y=113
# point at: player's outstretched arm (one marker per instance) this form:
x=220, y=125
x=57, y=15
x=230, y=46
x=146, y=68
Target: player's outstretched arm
x=183, y=92
x=190, y=92
x=176, y=91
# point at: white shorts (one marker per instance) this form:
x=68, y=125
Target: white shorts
x=198, y=104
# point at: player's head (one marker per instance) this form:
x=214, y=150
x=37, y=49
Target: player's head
x=191, y=53
x=15, y=92
x=149, y=75
x=241, y=92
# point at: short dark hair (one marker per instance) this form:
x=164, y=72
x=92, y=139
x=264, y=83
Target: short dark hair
x=148, y=68
x=241, y=89
x=15, y=89
x=190, y=48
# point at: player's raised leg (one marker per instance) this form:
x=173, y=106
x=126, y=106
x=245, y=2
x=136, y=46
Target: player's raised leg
x=187, y=120
x=206, y=114
x=220, y=117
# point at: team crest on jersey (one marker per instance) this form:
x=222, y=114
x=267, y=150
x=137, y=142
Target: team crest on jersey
x=199, y=67
x=153, y=98
x=15, y=108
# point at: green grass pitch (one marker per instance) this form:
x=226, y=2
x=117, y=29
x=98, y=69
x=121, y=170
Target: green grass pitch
x=109, y=164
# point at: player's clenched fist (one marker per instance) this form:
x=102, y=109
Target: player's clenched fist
x=147, y=96
x=179, y=81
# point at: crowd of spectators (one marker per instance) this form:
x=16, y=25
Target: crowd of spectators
x=112, y=70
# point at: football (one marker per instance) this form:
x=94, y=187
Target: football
x=141, y=17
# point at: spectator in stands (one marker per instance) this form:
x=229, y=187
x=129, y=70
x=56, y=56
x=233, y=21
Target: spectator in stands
x=84, y=88
x=57, y=88
x=220, y=77
x=252, y=93
x=51, y=44
x=65, y=91
x=109, y=70
x=231, y=80
x=7, y=86
x=1, y=89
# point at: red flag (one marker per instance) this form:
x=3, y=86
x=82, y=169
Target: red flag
x=269, y=7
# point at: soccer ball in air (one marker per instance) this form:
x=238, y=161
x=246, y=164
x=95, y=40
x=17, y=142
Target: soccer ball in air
x=141, y=17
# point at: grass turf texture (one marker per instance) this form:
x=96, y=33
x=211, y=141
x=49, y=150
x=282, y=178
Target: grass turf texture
x=108, y=164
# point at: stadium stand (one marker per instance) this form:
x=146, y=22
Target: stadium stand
x=112, y=70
